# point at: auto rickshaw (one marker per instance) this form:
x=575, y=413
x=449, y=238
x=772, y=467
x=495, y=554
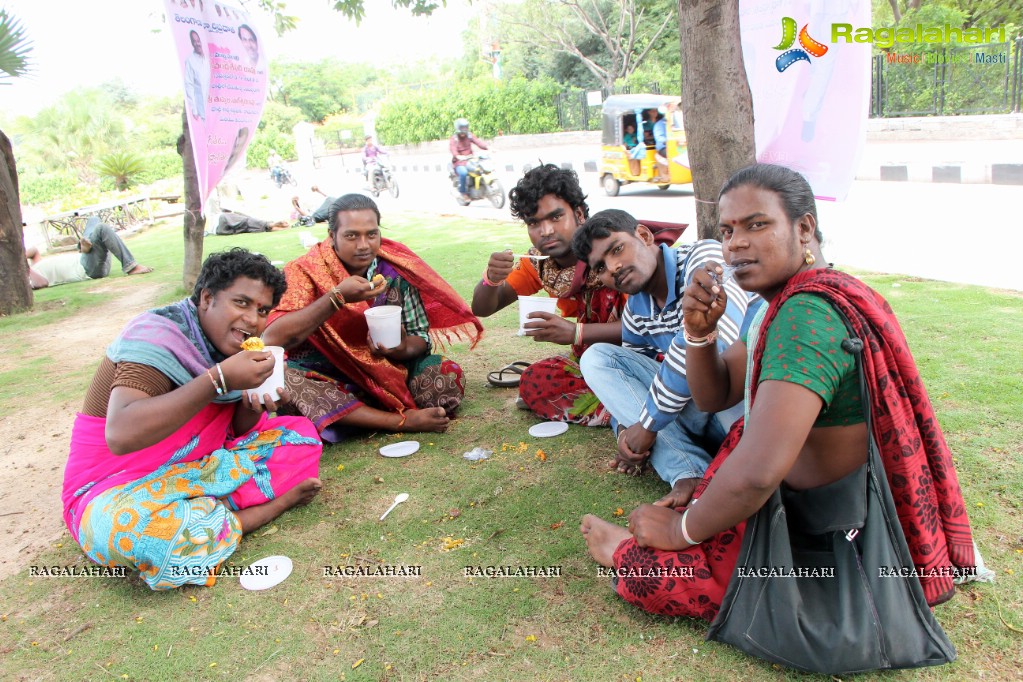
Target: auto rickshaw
x=621, y=164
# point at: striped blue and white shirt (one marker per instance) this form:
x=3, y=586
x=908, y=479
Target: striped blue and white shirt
x=652, y=331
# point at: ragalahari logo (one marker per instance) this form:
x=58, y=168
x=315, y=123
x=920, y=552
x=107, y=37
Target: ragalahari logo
x=788, y=37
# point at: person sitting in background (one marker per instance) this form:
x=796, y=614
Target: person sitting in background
x=805, y=425
x=339, y=376
x=630, y=141
x=99, y=244
x=274, y=162
x=319, y=215
x=370, y=152
x=172, y=460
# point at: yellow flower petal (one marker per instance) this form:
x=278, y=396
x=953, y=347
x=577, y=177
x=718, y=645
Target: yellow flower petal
x=357, y=663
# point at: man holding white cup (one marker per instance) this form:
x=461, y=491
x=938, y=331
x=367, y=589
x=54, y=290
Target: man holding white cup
x=339, y=375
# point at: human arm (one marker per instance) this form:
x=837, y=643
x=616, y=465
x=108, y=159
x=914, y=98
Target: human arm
x=478, y=142
x=488, y=299
x=293, y=328
x=137, y=420
x=715, y=380
x=553, y=328
x=36, y=280
x=779, y=424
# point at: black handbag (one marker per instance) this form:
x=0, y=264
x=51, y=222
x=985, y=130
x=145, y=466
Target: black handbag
x=825, y=582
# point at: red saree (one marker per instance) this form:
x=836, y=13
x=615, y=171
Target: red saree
x=917, y=462
x=342, y=339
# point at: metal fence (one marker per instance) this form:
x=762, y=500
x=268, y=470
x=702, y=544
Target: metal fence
x=944, y=81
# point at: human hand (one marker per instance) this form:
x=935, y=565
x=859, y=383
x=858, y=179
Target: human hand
x=550, y=327
x=500, y=265
x=396, y=354
x=355, y=288
x=634, y=445
x=247, y=369
x=657, y=527
x=680, y=493
x=251, y=400
x=703, y=302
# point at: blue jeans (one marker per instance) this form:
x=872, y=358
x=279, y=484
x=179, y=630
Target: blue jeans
x=621, y=379
x=463, y=174
x=105, y=243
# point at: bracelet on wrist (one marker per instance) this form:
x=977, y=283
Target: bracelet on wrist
x=685, y=531
x=699, y=341
x=223, y=382
x=578, y=334
x=216, y=386
x=486, y=280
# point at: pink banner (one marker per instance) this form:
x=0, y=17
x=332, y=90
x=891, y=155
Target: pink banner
x=811, y=97
x=224, y=69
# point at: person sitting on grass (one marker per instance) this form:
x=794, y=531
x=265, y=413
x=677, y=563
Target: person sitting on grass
x=805, y=425
x=173, y=458
x=341, y=378
x=643, y=381
x=552, y=204
x=99, y=245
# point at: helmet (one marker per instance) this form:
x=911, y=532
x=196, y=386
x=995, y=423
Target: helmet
x=461, y=126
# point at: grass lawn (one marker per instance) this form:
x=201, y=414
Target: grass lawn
x=514, y=509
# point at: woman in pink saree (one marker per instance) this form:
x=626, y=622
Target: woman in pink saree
x=172, y=459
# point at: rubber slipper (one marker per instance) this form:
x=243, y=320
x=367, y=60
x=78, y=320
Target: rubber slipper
x=508, y=376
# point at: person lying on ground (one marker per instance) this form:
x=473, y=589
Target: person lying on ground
x=99, y=245
x=173, y=457
x=342, y=379
x=643, y=381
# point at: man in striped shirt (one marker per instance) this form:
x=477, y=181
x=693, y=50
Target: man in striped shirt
x=643, y=382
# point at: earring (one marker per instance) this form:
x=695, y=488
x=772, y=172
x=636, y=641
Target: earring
x=809, y=258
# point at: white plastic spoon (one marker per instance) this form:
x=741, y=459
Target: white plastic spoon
x=397, y=500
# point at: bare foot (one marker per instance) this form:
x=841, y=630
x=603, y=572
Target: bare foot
x=140, y=270
x=85, y=245
x=680, y=493
x=301, y=494
x=429, y=419
x=262, y=514
x=602, y=538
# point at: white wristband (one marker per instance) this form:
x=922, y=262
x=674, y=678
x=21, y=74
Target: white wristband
x=685, y=532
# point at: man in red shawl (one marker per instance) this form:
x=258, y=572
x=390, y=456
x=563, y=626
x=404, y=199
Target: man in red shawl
x=338, y=376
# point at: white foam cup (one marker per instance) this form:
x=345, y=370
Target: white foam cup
x=534, y=304
x=276, y=379
x=384, y=325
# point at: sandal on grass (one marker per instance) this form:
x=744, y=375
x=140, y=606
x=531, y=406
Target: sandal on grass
x=508, y=376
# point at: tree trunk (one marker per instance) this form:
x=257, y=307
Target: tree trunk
x=15, y=294
x=195, y=222
x=716, y=102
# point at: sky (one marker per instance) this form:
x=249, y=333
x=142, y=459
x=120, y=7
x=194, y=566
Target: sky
x=78, y=44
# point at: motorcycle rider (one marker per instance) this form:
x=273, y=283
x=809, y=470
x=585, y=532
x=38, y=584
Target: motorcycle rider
x=275, y=164
x=369, y=155
x=460, y=145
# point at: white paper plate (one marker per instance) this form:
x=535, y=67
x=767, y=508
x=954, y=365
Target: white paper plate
x=274, y=569
x=548, y=429
x=402, y=449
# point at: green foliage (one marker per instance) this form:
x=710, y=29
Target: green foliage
x=121, y=167
x=265, y=140
x=513, y=108
x=160, y=164
x=38, y=188
x=14, y=47
x=321, y=88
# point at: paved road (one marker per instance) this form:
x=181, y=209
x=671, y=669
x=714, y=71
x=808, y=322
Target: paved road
x=959, y=233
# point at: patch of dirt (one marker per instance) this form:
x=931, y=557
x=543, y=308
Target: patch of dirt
x=38, y=436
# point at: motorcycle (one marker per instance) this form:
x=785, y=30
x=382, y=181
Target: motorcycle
x=480, y=183
x=380, y=176
x=282, y=176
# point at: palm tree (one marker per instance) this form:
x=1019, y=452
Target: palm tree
x=15, y=294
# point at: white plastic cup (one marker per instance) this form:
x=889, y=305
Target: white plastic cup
x=534, y=304
x=384, y=325
x=275, y=380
